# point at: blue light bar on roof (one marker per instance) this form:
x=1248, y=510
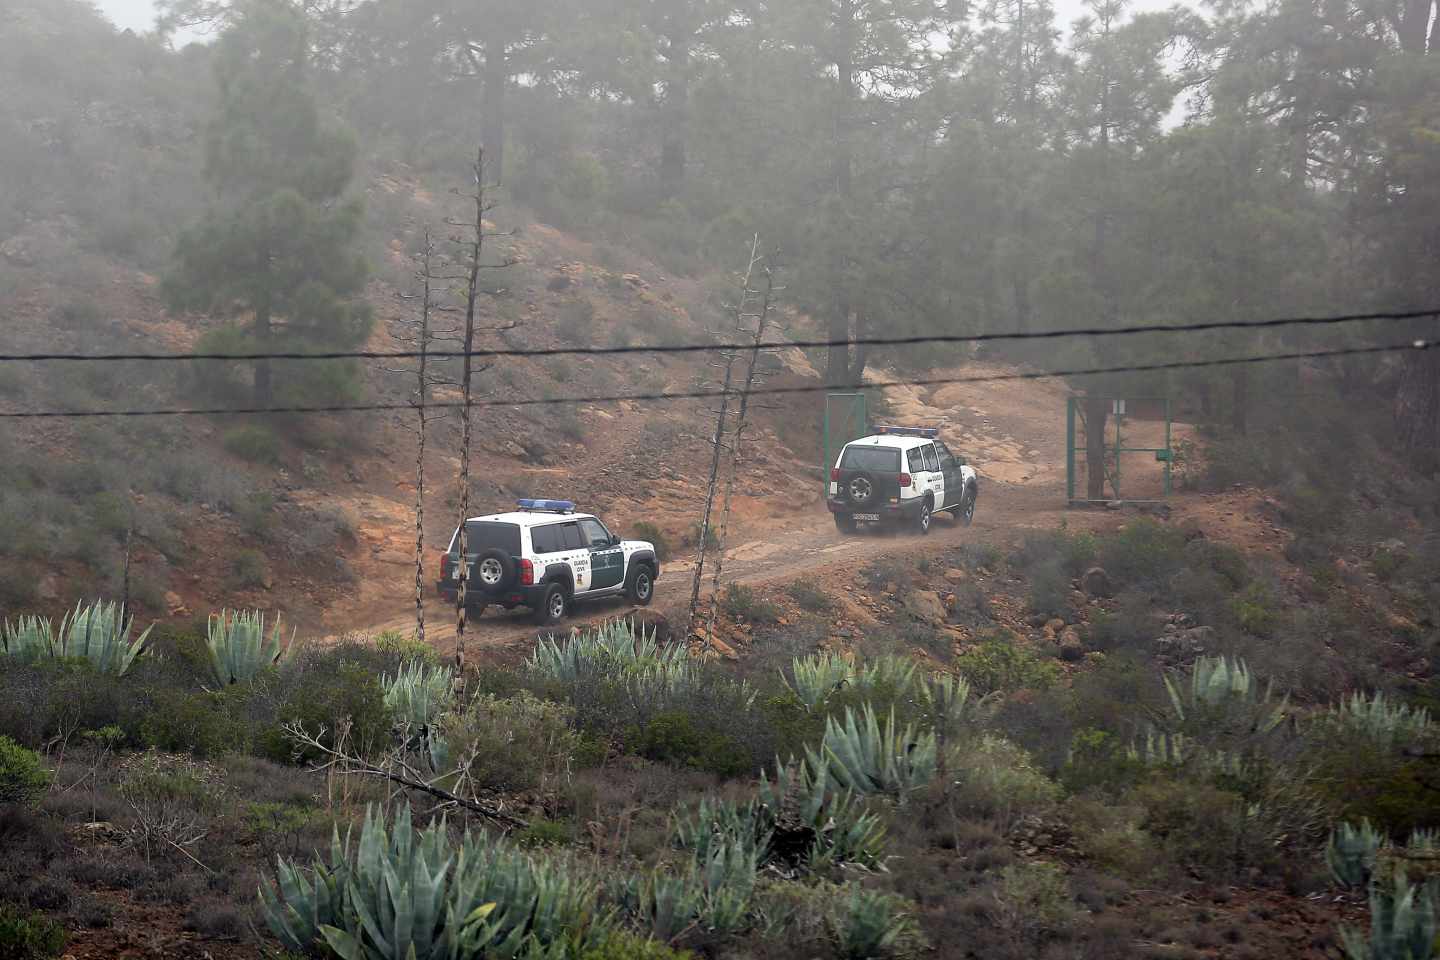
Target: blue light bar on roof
x=929, y=433
x=548, y=506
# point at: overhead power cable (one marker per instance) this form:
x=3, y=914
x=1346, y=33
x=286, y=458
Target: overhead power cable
x=917, y=340
x=712, y=394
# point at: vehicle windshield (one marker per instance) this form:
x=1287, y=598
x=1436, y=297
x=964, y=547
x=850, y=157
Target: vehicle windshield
x=484, y=535
x=877, y=459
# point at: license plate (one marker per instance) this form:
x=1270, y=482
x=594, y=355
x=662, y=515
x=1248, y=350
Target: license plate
x=867, y=516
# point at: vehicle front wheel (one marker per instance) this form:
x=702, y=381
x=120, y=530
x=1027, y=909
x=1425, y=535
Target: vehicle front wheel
x=640, y=589
x=551, y=608
x=965, y=513
x=845, y=523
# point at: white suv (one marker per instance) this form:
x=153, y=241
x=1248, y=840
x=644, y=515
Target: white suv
x=902, y=475
x=545, y=556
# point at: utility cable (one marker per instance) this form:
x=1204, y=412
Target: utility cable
x=1413, y=345
x=917, y=340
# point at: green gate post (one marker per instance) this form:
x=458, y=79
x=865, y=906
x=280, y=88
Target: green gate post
x=857, y=405
x=1070, y=450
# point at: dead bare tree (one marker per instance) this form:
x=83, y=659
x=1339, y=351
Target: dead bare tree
x=761, y=321
x=422, y=334
x=396, y=768
x=717, y=441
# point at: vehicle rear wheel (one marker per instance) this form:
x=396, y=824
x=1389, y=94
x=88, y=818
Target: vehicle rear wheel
x=845, y=523
x=551, y=608
x=640, y=588
x=922, y=522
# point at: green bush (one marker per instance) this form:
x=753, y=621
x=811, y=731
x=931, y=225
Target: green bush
x=645, y=530
x=254, y=443
x=997, y=780
x=1001, y=661
x=23, y=778
x=742, y=603
x=810, y=597
x=524, y=743
x=29, y=936
x=248, y=567
x=676, y=738
x=1143, y=553
x=201, y=724
x=406, y=647
x=320, y=689
x=620, y=945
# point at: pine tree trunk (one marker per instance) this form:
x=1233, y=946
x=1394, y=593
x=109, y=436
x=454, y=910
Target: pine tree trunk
x=1417, y=402
x=492, y=126
x=838, y=365
x=676, y=116
x=264, y=388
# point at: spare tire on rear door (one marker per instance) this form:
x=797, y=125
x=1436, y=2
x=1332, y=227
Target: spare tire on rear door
x=494, y=571
x=861, y=489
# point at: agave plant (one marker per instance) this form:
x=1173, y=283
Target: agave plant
x=609, y=649
x=403, y=895
x=897, y=674
x=950, y=703
x=239, y=647
x=814, y=678
x=303, y=902
x=100, y=633
x=816, y=826
x=29, y=639
x=1423, y=841
x=871, y=924
x=1225, y=688
x=417, y=695
x=1380, y=720
x=1402, y=922
x=870, y=757
x=1351, y=853
x=716, y=823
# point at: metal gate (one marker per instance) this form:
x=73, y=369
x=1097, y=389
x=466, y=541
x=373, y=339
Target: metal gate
x=846, y=418
x=1130, y=449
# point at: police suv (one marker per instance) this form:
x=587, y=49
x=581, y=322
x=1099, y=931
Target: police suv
x=545, y=556
x=903, y=476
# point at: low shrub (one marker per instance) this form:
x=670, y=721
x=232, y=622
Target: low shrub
x=254, y=443
x=676, y=738
x=515, y=743
x=995, y=779
x=248, y=567
x=1143, y=553
x=645, y=530
x=1001, y=661
x=29, y=936
x=1034, y=901
x=320, y=689
x=742, y=603
x=23, y=778
x=406, y=647
x=810, y=598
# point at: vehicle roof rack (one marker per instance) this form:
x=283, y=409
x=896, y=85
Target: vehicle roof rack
x=547, y=506
x=929, y=433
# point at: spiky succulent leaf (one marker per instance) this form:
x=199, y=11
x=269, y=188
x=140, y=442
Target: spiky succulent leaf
x=239, y=647
x=1351, y=853
x=100, y=633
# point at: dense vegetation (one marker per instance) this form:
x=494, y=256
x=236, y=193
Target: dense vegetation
x=623, y=794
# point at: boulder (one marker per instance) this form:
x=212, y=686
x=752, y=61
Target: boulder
x=49, y=588
x=174, y=606
x=956, y=575
x=1071, y=652
x=1055, y=625
x=925, y=606
x=1096, y=583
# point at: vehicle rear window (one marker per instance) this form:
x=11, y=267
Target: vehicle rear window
x=485, y=535
x=547, y=539
x=881, y=459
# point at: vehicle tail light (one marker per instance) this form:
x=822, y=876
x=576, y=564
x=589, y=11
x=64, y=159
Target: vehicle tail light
x=527, y=573
x=835, y=475
x=904, y=480
x=444, y=565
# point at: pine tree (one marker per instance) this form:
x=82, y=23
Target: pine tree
x=276, y=253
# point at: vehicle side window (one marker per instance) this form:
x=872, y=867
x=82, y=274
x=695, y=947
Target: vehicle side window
x=573, y=539
x=944, y=453
x=546, y=539
x=595, y=533
x=917, y=462
x=932, y=462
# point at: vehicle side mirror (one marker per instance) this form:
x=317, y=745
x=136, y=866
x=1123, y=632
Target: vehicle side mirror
x=962, y=461
x=614, y=540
